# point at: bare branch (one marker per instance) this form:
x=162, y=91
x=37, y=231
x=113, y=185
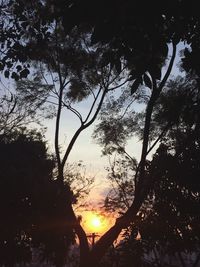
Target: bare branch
x=74, y=111
x=92, y=106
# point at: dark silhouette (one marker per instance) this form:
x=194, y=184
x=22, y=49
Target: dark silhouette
x=32, y=212
x=168, y=222
x=132, y=37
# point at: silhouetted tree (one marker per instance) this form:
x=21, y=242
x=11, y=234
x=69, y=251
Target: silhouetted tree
x=17, y=111
x=136, y=36
x=169, y=222
x=32, y=215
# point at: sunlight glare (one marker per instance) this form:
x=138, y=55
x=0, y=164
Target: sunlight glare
x=94, y=222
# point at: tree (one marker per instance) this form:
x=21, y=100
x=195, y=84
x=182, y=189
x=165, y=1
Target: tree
x=17, y=111
x=68, y=72
x=135, y=41
x=31, y=212
x=168, y=224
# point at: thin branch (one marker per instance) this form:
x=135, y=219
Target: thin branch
x=53, y=96
x=92, y=92
x=74, y=111
x=56, y=141
x=117, y=86
x=162, y=84
x=159, y=137
x=125, y=201
x=49, y=69
x=51, y=102
x=92, y=106
x=125, y=66
x=13, y=107
x=108, y=238
x=97, y=110
x=128, y=106
x=80, y=129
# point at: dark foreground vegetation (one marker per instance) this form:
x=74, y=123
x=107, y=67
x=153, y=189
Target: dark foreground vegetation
x=118, y=55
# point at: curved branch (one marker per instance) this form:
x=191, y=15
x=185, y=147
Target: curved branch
x=159, y=137
x=127, y=107
x=155, y=94
x=98, y=109
x=74, y=111
x=56, y=141
x=80, y=129
x=165, y=78
x=108, y=238
x=91, y=109
x=117, y=86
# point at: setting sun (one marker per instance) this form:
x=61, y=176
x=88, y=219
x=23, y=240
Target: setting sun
x=94, y=222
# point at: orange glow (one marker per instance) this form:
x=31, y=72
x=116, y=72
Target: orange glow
x=94, y=222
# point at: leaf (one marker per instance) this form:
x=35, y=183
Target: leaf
x=24, y=73
x=135, y=85
x=147, y=81
x=15, y=76
x=19, y=68
x=1, y=66
x=6, y=73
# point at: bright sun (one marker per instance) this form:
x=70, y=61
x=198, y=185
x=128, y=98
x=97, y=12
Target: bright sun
x=95, y=223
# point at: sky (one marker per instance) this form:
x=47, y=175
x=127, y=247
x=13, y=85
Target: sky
x=89, y=153
x=85, y=148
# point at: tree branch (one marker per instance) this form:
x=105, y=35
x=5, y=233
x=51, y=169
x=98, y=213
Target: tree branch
x=56, y=141
x=74, y=111
x=108, y=238
x=117, y=86
x=91, y=109
x=80, y=129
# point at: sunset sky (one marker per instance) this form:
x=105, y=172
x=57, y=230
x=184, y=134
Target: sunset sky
x=85, y=148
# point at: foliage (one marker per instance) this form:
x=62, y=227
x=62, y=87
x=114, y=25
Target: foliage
x=169, y=223
x=146, y=52
x=31, y=208
x=131, y=33
x=118, y=120
x=75, y=45
x=177, y=178
x=80, y=183
x=120, y=175
x=17, y=111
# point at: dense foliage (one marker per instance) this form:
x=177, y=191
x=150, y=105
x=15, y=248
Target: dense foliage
x=87, y=48
x=32, y=211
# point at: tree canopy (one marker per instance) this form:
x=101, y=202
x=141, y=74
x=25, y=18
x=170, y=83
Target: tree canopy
x=91, y=49
x=168, y=222
x=32, y=211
